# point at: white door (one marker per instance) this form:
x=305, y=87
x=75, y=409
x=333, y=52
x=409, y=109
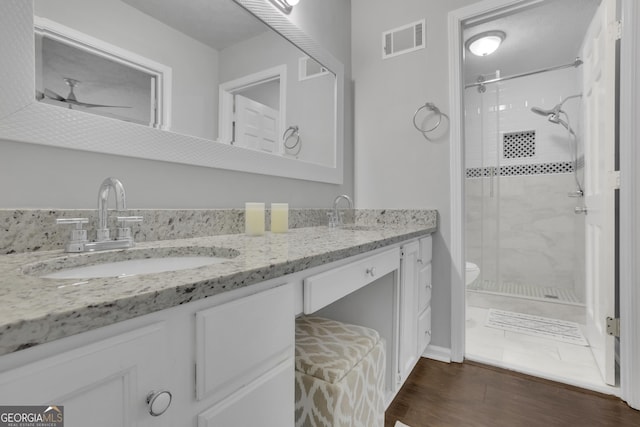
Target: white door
x=256, y=126
x=598, y=53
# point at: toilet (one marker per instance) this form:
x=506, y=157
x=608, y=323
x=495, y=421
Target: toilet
x=472, y=273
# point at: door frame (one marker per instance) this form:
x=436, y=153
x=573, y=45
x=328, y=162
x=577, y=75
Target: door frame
x=630, y=204
x=629, y=192
x=229, y=88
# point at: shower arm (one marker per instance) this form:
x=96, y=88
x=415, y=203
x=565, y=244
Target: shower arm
x=555, y=117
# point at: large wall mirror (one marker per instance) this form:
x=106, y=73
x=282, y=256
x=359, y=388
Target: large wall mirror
x=231, y=84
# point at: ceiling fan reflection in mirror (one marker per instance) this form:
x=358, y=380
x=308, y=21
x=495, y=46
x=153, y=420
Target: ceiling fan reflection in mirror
x=71, y=98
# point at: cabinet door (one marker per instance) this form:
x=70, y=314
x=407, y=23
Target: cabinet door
x=267, y=401
x=408, y=345
x=424, y=287
x=100, y=385
x=424, y=330
x=240, y=340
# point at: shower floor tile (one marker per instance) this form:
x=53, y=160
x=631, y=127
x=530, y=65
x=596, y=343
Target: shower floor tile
x=549, y=294
x=546, y=358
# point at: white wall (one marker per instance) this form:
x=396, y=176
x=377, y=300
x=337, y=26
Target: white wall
x=395, y=166
x=33, y=176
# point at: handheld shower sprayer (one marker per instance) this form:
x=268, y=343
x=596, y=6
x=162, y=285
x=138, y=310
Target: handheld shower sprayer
x=553, y=115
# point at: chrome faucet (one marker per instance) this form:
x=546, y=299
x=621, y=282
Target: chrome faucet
x=103, y=198
x=78, y=240
x=335, y=219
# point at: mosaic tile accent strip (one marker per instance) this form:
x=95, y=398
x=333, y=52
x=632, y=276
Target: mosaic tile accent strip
x=517, y=145
x=514, y=170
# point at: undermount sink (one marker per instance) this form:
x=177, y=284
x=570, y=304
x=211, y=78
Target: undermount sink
x=129, y=262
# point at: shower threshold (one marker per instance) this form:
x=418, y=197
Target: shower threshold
x=521, y=290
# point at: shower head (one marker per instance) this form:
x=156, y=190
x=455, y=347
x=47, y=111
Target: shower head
x=544, y=112
x=554, y=113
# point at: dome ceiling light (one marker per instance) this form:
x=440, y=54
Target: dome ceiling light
x=486, y=43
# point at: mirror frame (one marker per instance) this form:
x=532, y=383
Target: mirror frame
x=23, y=119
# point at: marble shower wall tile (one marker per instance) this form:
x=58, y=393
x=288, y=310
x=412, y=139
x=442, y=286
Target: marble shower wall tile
x=529, y=233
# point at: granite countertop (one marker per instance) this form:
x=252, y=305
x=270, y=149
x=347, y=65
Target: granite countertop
x=35, y=310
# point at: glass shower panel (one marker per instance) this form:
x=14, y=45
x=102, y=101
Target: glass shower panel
x=482, y=115
x=490, y=262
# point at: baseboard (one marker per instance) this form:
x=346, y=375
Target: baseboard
x=440, y=354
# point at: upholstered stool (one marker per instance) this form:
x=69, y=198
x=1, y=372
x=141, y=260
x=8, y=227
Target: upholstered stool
x=339, y=374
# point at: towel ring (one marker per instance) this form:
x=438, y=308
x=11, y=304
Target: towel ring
x=432, y=107
x=293, y=131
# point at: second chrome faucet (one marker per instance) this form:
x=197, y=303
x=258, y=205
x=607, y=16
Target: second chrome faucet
x=335, y=217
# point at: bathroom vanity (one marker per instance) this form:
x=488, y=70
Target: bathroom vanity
x=213, y=345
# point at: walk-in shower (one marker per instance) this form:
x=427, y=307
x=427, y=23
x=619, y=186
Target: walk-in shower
x=521, y=228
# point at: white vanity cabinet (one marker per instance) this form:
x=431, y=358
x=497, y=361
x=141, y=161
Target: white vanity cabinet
x=242, y=346
x=227, y=360
x=104, y=384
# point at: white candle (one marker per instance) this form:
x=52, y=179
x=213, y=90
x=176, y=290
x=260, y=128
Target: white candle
x=279, y=217
x=254, y=219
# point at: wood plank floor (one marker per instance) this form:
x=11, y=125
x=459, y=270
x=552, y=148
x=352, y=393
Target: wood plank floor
x=471, y=394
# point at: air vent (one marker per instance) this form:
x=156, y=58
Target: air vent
x=405, y=39
x=517, y=145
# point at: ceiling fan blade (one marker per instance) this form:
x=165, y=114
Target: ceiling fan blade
x=52, y=95
x=87, y=105
x=71, y=98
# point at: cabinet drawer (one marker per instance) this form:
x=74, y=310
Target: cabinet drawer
x=424, y=330
x=268, y=401
x=323, y=289
x=426, y=249
x=238, y=341
x=424, y=287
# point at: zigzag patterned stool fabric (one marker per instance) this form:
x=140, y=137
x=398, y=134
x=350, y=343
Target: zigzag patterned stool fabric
x=339, y=374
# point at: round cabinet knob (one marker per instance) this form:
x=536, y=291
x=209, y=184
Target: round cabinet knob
x=371, y=271
x=158, y=402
